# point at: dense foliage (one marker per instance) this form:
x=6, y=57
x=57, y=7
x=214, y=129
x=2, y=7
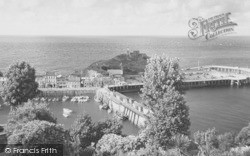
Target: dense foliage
x=161, y=93
x=161, y=74
x=34, y=133
x=28, y=112
x=243, y=137
x=21, y=85
x=85, y=133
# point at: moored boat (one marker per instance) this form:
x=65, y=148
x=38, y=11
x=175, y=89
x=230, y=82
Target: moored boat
x=66, y=112
x=83, y=99
x=65, y=98
x=74, y=99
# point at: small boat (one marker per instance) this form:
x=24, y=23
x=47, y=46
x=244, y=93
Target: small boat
x=83, y=99
x=65, y=98
x=74, y=99
x=55, y=99
x=65, y=115
x=66, y=112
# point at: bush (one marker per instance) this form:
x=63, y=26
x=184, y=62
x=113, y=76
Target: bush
x=28, y=112
x=226, y=141
x=243, y=137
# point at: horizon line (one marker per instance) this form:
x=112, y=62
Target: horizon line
x=46, y=35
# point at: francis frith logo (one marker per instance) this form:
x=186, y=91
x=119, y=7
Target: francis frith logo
x=210, y=28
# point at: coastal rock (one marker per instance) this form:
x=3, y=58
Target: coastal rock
x=132, y=63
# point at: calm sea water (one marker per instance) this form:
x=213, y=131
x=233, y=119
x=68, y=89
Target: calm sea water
x=74, y=53
x=90, y=107
x=227, y=109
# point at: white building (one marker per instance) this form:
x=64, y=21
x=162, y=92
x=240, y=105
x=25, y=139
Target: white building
x=50, y=79
x=115, y=72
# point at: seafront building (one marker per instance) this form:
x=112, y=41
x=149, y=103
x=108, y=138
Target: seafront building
x=73, y=81
x=50, y=79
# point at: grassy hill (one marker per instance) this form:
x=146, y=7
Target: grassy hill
x=132, y=63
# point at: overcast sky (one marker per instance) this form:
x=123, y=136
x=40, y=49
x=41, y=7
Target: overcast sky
x=114, y=17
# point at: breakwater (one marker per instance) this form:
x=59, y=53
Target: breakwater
x=117, y=102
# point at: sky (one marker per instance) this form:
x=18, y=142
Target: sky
x=115, y=17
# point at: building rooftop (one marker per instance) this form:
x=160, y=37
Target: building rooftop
x=50, y=73
x=115, y=71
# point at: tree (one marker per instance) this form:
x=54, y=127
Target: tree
x=170, y=118
x=28, y=112
x=113, y=144
x=226, y=141
x=206, y=140
x=21, y=85
x=162, y=94
x=1, y=74
x=86, y=134
x=108, y=126
x=161, y=74
x=35, y=133
x=83, y=132
x=243, y=137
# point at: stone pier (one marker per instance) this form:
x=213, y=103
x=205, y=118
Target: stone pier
x=117, y=102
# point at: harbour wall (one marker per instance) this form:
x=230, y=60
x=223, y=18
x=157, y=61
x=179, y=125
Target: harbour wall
x=117, y=102
x=60, y=92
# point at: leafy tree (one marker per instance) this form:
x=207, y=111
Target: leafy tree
x=1, y=74
x=170, y=118
x=206, y=140
x=226, y=141
x=33, y=133
x=161, y=74
x=109, y=144
x=163, y=95
x=107, y=126
x=112, y=144
x=83, y=131
x=244, y=136
x=28, y=112
x=21, y=85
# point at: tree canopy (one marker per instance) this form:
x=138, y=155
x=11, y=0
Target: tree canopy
x=162, y=94
x=84, y=132
x=36, y=133
x=28, y=112
x=21, y=85
x=161, y=74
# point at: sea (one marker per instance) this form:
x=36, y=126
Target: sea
x=226, y=109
